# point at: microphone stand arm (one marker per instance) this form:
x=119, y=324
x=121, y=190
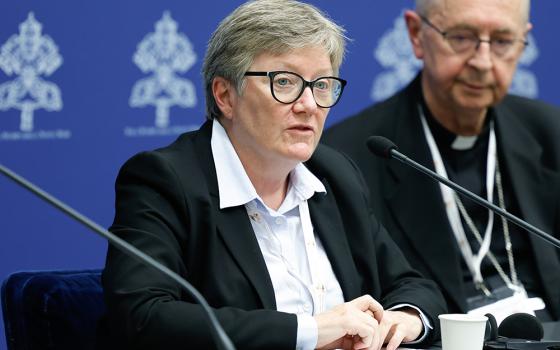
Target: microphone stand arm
x=490, y=206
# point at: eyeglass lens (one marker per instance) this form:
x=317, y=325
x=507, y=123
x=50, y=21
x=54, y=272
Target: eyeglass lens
x=288, y=87
x=463, y=42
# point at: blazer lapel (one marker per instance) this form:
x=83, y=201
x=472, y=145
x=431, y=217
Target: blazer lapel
x=235, y=228
x=328, y=227
x=535, y=188
x=416, y=203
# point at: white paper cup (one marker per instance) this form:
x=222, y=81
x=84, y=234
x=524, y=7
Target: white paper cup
x=462, y=331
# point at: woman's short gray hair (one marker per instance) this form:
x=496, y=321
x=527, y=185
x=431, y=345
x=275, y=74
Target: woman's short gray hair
x=273, y=26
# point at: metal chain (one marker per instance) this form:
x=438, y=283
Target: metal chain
x=505, y=227
x=507, y=239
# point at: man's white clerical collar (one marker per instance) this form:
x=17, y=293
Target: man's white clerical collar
x=463, y=143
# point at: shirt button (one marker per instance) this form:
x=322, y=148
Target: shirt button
x=306, y=307
x=279, y=221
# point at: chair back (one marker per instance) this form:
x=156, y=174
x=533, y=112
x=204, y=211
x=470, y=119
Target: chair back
x=52, y=309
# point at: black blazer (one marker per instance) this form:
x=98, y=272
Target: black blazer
x=410, y=205
x=167, y=205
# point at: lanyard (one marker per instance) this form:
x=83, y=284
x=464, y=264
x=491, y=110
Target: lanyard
x=473, y=261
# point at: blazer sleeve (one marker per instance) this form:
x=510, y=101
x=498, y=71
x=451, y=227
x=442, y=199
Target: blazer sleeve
x=146, y=310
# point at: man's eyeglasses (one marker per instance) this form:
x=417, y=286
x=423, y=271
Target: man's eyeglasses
x=464, y=41
x=287, y=87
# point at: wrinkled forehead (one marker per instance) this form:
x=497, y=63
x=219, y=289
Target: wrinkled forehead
x=496, y=14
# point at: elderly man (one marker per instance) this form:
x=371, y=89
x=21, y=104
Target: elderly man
x=288, y=254
x=457, y=119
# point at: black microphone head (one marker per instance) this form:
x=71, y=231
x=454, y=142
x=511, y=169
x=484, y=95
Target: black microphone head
x=521, y=326
x=380, y=146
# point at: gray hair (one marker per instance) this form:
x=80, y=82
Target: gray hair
x=272, y=26
x=424, y=7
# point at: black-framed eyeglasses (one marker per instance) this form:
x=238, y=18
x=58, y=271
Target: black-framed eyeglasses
x=465, y=41
x=287, y=87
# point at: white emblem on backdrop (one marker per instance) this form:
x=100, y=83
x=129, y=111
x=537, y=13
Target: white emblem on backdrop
x=524, y=81
x=163, y=53
x=29, y=55
x=394, y=53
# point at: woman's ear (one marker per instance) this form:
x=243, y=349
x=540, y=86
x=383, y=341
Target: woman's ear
x=225, y=96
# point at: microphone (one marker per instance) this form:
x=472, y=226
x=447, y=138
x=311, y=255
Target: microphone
x=518, y=331
x=521, y=325
x=381, y=146
x=220, y=337
x=385, y=148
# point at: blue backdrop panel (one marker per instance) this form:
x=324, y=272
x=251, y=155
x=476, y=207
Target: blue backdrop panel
x=86, y=84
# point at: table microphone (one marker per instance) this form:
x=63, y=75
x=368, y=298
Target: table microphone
x=521, y=325
x=220, y=337
x=519, y=331
x=385, y=148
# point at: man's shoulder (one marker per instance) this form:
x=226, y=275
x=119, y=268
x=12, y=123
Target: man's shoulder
x=531, y=113
x=521, y=100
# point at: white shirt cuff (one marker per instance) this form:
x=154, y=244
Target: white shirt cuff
x=425, y=321
x=307, y=332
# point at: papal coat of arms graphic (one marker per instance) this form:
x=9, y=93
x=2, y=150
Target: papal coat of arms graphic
x=28, y=56
x=164, y=54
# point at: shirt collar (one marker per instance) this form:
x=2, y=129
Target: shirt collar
x=235, y=187
x=448, y=140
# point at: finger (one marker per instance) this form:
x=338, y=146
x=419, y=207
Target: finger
x=367, y=328
x=367, y=335
x=377, y=341
x=384, y=328
x=396, y=339
x=357, y=343
x=360, y=344
x=366, y=302
x=381, y=336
